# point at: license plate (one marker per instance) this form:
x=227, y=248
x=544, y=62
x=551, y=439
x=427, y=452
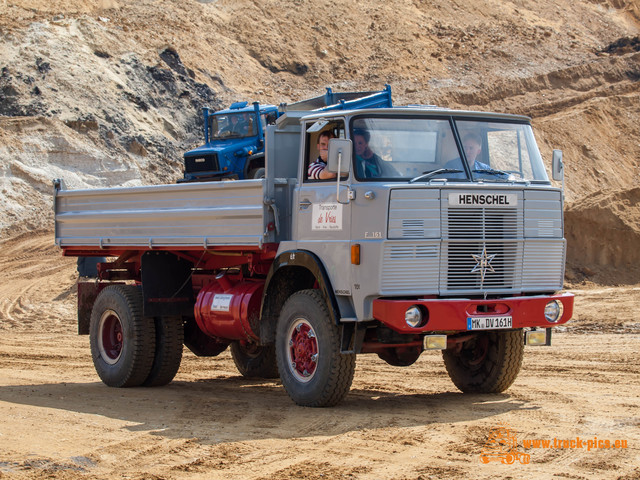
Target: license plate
x=489, y=323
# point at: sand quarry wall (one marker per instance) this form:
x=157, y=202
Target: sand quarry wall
x=109, y=93
x=603, y=237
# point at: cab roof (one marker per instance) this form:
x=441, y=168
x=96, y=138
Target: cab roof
x=420, y=110
x=244, y=107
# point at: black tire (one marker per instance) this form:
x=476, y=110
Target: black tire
x=122, y=340
x=488, y=363
x=168, y=351
x=255, y=361
x=257, y=173
x=305, y=331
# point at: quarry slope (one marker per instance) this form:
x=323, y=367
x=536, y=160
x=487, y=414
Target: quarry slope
x=109, y=93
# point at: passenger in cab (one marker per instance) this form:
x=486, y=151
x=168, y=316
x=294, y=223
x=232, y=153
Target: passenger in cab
x=368, y=164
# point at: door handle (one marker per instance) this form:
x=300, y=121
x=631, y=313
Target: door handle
x=305, y=203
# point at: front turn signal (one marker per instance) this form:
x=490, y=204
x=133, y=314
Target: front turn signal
x=355, y=254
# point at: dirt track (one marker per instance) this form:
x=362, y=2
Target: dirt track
x=59, y=421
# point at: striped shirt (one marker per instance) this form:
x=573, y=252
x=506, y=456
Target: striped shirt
x=313, y=172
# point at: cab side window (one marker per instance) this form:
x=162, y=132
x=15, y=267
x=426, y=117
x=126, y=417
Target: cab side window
x=317, y=144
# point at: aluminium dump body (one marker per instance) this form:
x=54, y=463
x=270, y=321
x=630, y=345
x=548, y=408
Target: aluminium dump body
x=175, y=216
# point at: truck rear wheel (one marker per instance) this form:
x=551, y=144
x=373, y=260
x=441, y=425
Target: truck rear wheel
x=122, y=340
x=488, y=363
x=168, y=351
x=313, y=371
x=255, y=361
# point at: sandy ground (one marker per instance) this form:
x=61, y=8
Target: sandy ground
x=108, y=93
x=60, y=421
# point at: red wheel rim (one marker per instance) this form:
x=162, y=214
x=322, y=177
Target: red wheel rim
x=110, y=337
x=302, y=351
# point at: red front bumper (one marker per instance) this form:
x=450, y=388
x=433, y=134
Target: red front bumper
x=453, y=315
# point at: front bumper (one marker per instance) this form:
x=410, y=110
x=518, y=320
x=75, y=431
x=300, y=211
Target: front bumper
x=208, y=177
x=453, y=315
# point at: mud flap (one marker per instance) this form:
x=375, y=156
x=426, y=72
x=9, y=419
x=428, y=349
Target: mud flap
x=351, y=337
x=166, y=285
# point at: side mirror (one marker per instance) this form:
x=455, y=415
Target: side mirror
x=557, y=167
x=339, y=158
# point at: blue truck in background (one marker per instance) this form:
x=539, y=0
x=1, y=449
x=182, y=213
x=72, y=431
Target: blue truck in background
x=234, y=137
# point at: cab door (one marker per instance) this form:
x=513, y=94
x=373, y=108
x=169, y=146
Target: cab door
x=322, y=224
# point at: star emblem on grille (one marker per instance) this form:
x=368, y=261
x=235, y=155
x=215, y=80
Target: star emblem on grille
x=483, y=263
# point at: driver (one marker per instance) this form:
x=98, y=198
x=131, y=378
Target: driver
x=472, y=145
x=318, y=169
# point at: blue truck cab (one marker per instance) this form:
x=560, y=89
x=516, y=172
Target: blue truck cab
x=234, y=137
x=234, y=144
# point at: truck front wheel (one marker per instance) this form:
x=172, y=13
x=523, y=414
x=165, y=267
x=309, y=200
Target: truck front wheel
x=257, y=173
x=122, y=340
x=488, y=363
x=255, y=361
x=313, y=371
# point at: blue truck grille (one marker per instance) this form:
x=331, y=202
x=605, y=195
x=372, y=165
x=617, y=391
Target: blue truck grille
x=201, y=163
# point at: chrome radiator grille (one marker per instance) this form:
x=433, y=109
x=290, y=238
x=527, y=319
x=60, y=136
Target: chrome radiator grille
x=481, y=248
x=482, y=223
x=481, y=265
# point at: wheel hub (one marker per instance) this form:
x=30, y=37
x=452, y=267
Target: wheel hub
x=111, y=337
x=476, y=355
x=303, y=350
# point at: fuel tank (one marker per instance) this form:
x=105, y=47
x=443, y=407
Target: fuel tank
x=229, y=309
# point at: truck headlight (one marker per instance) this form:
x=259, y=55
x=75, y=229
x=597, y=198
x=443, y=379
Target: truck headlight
x=553, y=311
x=413, y=316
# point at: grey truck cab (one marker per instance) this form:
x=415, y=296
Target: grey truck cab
x=441, y=224
x=426, y=218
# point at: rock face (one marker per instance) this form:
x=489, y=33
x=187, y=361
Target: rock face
x=73, y=110
x=110, y=93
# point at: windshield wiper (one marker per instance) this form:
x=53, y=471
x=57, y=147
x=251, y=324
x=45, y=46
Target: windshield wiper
x=491, y=171
x=432, y=173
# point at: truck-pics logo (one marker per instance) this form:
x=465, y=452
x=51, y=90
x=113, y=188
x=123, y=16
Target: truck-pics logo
x=483, y=264
x=327, y=216
x=502, y=446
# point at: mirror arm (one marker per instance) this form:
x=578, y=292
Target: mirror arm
x=338, y=176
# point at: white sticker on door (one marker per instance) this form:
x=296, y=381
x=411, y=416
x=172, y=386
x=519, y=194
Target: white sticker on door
x=326, y=216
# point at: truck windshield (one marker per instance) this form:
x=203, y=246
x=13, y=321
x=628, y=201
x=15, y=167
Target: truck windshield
x=415, y=148
x=232, y=125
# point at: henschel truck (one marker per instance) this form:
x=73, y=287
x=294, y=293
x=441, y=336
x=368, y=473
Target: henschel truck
x=452, y=241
